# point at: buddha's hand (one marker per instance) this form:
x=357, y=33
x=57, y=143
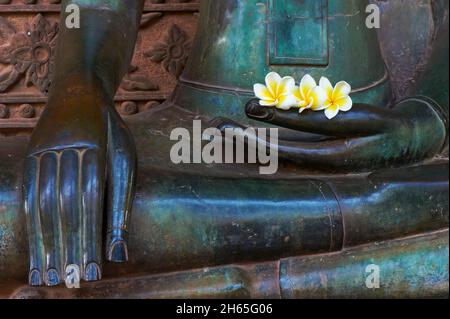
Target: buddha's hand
x=80, y=152
x=362, y=139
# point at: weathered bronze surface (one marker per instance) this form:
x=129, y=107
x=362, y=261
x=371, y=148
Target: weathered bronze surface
x=369, y=187
x=294, y=277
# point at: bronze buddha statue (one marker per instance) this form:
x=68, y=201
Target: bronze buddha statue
x=368, y=187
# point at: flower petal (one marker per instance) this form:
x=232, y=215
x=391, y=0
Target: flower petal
x=286, y=86
x=332, y=111
x=327, y=104
x=158, y=52
x=341, y=90
x=261, y=92
x=166, y=63
x=287, y=102
x=318, y=97
x=273, y=79
x=302, y=109
x=297, y=94
x=345, y=104
x=268, y=102
x=173, y=67
x=22, y=55
x=303, y=104
x=306, y=85
x=325, y=84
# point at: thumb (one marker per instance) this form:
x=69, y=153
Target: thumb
x=121, y=176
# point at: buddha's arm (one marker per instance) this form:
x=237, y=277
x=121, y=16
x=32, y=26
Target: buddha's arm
x=371, y=137
x=80, y=145
x=363, y=139
x=103, y=46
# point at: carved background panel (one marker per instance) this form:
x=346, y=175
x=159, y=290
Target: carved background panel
x=28, y=34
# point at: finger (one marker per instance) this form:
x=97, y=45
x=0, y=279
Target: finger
x=92, y=192
x=36, y=244
x=327, y=155
x=50, y=217
x=362, y=120
x=223, y=123
x=121, y=163
x=70, y=198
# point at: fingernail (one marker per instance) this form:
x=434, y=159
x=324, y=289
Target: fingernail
x=93, y=272
x=118, y=252
x=72, y=276
x=35, y=278
x=52, y=277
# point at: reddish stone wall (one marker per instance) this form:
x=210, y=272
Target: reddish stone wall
x=29, y=28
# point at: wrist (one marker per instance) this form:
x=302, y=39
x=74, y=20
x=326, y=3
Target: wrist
x=76, y=84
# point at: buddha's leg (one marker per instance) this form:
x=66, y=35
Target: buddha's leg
x=184, y=221
x=338, y=275
x=78, y=144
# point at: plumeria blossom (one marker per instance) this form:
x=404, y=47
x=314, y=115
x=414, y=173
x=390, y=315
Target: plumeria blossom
x=338, y=98
x=277, y=92
x=309, y=95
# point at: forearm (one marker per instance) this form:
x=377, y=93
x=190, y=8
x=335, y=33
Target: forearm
x=101, y=48
x=363, y=120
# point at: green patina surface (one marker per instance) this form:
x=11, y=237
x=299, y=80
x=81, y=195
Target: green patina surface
x=248, y=39
x=414, y=268
x=289, y=44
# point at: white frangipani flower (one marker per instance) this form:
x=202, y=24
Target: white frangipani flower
x=282, y=93
x=309, y=95
x=277, y=92
x=338, y=98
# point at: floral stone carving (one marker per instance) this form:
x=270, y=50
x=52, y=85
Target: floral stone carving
x=173, y=52
x=28, y=54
